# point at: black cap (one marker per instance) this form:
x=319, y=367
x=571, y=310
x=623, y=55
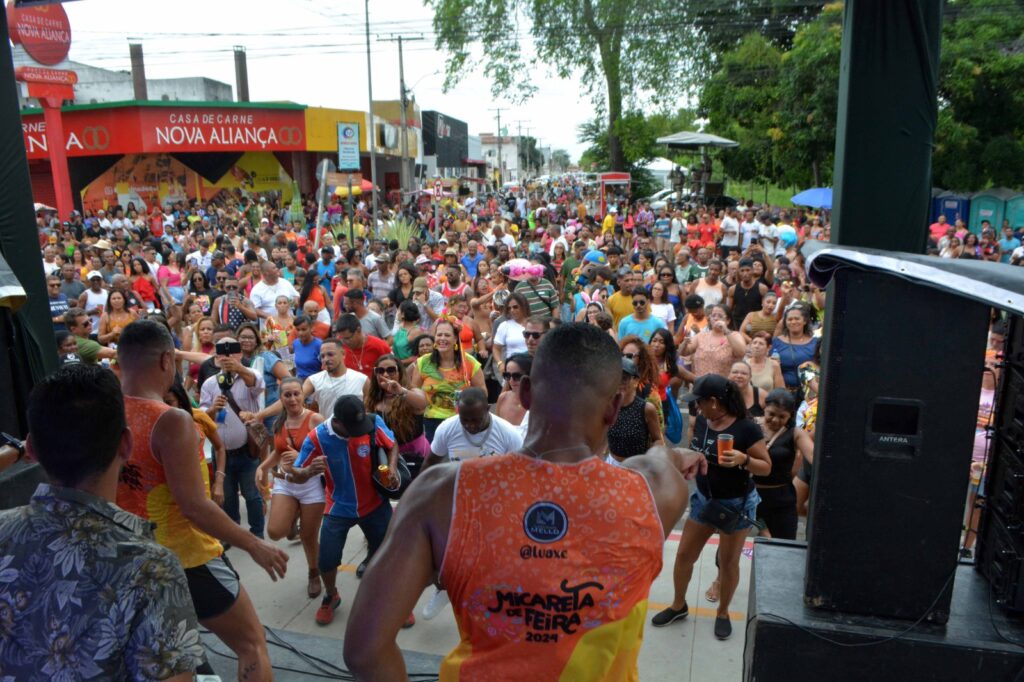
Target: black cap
x=350, y=411
x=629, y=367
x=708, y=386
x=693, y=301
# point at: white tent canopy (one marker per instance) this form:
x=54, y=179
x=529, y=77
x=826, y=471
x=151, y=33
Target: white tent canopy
x=691, y=140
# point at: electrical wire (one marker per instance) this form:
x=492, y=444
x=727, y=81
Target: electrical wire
x=325, y=668
x=875, y=642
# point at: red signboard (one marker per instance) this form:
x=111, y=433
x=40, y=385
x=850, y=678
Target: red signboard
x=139, y=130
x=44, y=31
x=34, y=74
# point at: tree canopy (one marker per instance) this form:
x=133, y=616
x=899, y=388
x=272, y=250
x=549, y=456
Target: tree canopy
x=621, y=50
x=779, y=99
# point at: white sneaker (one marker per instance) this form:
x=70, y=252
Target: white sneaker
x=436, y=604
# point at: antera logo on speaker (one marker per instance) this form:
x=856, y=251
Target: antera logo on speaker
x=290, y=135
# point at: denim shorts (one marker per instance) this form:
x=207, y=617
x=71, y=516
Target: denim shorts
x=748, y=505
x=334, y=530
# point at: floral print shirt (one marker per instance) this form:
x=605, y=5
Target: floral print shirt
x=86, y=593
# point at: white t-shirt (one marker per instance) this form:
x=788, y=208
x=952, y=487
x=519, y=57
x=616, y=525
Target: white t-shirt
x=665, y=312
x=769, y=237
x=730, y=231
x=327, y=389
x=451, y=440
x=510, y=336
x=749, y=231
x=676, y=230
x=263, y=295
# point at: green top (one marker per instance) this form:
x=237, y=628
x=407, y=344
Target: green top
x=400, y=343
x=441, y=386
x=88, y=350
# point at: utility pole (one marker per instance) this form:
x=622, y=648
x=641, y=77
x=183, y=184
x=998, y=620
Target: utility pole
x=372, y=132
x=403, y=94
x=501, y=174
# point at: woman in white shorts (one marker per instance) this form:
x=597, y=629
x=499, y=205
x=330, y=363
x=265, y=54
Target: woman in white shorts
x=291, y=502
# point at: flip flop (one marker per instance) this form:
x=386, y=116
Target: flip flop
x=712, y=594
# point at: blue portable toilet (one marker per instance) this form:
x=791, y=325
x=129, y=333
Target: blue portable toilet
x=1015, y=211
x=953, y=205
x=990, y=205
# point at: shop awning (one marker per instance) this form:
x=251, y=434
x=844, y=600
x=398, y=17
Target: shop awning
x=474, y=162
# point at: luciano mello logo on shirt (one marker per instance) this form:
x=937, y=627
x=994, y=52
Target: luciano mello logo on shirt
x=545, y=522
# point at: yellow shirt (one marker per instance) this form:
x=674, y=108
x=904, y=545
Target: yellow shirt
x=608, y=227
x=619, y=306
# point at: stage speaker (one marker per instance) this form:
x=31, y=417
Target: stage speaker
x=1000, y=549
x=902, y=369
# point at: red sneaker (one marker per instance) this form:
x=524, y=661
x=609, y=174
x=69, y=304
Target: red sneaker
x=325, y=614
x=410, y=622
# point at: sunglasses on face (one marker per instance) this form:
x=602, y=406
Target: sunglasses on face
x=532, y=335
x=512, y=376
x=640, y=303
x=386, y=370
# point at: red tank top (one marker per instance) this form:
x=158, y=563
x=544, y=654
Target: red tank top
x=291, y=438
x=548, y=567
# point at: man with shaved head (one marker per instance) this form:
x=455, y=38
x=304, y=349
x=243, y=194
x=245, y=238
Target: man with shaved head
x=536, y=547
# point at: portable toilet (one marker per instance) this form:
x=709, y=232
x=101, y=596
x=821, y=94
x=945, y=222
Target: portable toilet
x=953, y=205
x=1015, y=211
x=990, y=205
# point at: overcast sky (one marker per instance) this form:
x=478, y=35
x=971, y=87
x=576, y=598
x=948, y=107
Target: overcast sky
x=314, y=52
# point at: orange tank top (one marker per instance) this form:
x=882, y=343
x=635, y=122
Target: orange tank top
x=143, y=490
x=548, y=567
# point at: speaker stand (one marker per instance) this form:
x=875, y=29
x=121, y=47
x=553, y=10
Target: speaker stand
x=968, y=647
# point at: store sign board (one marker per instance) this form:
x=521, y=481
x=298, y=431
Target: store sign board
x=43, y=30
x=136, y=130
x=348, y=146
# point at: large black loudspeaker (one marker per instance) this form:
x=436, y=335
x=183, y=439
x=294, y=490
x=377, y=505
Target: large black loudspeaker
x=1000, y=556
x=902, y=376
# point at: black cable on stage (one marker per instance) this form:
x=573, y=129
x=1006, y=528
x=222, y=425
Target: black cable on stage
x=874, y=642
x=325, y=668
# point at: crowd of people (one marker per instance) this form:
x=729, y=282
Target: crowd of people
x=315, y=371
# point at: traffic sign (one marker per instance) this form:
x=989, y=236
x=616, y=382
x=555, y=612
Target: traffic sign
x=438, y=188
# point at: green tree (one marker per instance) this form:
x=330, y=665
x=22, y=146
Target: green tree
x=809, y=99
x=779, y=105
x=723, y=24
x=981, y=103
x=531, y=158
x=560, y=160
x=638, y=134
x=621, y=50
x=741, y=103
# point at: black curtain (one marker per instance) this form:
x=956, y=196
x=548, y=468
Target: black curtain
x=26, y=337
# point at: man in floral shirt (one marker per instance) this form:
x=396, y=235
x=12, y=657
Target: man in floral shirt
x=85, y=591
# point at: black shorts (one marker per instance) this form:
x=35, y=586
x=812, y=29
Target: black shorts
x=214, y=587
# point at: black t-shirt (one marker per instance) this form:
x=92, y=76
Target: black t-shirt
x=721, y=482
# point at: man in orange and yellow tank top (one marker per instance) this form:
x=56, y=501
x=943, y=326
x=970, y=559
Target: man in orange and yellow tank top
x=548, y=554
x=165, y=481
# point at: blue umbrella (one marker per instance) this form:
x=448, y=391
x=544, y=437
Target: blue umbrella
x=818, y=197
